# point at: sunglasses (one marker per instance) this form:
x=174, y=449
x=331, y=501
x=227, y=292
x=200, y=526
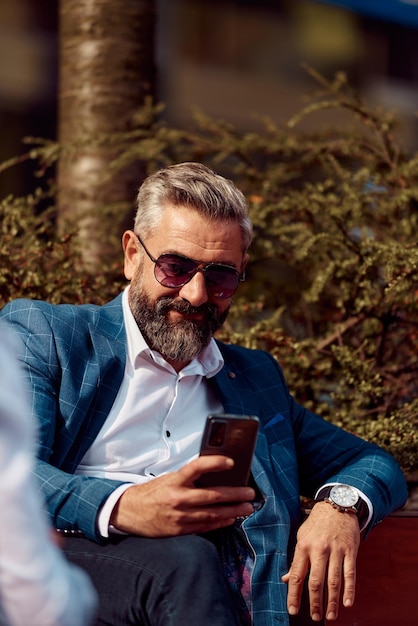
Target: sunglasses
x=174, y=270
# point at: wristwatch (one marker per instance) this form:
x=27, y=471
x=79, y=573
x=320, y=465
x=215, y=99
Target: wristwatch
x=345, y=499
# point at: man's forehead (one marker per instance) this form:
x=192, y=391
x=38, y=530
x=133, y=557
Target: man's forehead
x=186, y=228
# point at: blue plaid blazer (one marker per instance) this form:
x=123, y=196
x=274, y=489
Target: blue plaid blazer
x=74, y=359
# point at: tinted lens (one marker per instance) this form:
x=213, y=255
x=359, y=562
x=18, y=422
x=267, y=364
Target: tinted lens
x=172, y=270
x=221, y=281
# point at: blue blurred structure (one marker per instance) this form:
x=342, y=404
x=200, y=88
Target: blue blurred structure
x=401, y=11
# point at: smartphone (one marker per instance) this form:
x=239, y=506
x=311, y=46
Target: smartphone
x=234, y=436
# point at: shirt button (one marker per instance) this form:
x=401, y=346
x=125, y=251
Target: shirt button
x=168, y=434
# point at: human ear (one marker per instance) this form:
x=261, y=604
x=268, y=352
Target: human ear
x=245, y=261
x=131, y=252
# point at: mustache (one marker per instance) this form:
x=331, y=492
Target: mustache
x=166, y=304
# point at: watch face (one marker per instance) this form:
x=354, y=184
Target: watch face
x=344, y=495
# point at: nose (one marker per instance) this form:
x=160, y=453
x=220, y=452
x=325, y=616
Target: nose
x=195, y=290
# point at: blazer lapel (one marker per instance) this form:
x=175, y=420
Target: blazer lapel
x=104, y=367
x=108, y=337
x=234, y=392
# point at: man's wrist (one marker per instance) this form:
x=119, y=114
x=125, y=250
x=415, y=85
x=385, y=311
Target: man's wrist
x=346, y=498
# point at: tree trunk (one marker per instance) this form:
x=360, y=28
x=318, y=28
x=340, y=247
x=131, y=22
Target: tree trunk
x=106, y=71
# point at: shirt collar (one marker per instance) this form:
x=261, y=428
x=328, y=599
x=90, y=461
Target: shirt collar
x=208, y=363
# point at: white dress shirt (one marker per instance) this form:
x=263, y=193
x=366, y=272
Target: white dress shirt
x=38, y=587
x=156, y=423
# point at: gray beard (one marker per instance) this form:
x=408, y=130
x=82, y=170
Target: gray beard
x=181, y=340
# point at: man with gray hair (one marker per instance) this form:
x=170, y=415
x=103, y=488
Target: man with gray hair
x=122, y=393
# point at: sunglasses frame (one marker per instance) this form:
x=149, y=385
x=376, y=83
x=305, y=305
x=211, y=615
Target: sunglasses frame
x=200, y=267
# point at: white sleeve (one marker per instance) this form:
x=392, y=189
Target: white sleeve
x=38, y=586
x=103, y=518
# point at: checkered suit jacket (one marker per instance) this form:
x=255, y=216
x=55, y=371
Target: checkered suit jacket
x=74, y=359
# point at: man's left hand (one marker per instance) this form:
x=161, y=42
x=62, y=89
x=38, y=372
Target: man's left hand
x=326, y=549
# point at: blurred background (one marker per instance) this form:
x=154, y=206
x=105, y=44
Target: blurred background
x=236, y=60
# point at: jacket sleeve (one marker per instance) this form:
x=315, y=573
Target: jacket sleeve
x=327, y=453
x=53, y=353
x=330, y=454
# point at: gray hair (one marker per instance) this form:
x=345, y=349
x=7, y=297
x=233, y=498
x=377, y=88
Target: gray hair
x=191, y=185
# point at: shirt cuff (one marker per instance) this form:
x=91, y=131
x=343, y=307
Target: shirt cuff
x=362, y=496
x=105, y=513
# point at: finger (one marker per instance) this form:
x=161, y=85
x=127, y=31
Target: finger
x=334, y=589
x=212, y=495
x=316, y=585
x=210, y=463
x=217, y=515
x=207, y=527
x=220, y=501
x=295, y=578
x=349, y=581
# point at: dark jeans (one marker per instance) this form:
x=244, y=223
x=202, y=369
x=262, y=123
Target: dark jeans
x=173, y=581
